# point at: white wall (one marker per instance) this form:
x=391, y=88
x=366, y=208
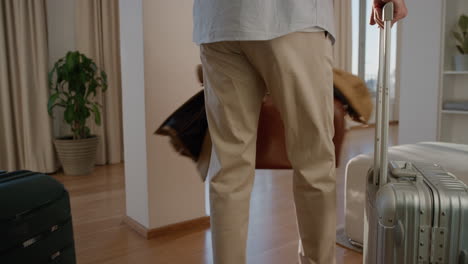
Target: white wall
x=158, y=75
x=133, y=101
x=420, y=71
x=453, y=127
x=176, y=191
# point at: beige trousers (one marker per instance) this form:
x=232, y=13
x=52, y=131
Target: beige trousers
x=297, y=70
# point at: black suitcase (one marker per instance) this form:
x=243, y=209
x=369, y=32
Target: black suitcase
x=35, y=220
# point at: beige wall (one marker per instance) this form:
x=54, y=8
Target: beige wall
x=176, y=192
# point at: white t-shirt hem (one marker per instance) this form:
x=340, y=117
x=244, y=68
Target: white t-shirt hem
x=218, y=36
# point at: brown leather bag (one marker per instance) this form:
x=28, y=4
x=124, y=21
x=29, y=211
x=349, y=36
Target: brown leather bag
x=271, y=145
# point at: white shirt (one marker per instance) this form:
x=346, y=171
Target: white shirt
x=230, y=20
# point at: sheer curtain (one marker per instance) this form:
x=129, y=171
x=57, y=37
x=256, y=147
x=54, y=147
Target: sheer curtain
x=343, y=46
x=97, y=36
x=25, y=127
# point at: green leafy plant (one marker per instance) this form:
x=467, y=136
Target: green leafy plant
x=74, y=81
x=462, y=35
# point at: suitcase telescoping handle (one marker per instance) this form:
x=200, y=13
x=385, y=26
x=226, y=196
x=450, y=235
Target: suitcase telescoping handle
x=382, y=99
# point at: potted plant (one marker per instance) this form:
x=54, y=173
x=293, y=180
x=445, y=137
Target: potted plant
x=461, y=37
x=74, y=81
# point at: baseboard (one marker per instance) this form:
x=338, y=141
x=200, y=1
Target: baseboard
x=137, y=227
x=197, y=224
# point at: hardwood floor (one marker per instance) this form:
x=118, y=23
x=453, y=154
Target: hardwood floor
x=98, y=207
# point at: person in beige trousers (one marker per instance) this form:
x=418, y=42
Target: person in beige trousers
x=249, y=47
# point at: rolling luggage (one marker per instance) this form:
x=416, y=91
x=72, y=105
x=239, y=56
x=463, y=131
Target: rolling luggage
x=35, y=220
x=415, y=213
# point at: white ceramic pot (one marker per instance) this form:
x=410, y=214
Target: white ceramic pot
x=77, y=156
x=461, y=62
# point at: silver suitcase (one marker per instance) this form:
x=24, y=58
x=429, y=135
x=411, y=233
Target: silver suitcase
x=415, y=213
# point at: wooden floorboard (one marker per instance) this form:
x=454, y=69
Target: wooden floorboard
x=98, y=208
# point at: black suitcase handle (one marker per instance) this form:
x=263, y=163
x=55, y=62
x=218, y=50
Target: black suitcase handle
x=463, y=257
x=5, y=177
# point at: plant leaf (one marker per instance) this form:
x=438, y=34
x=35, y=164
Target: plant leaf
x=92, y=88
x=87, y=114
x=51, y=102
x=463, y=23
x=465, y=46
x=51, y=76
x=69, y=114
x=77, y=81
x=104, y=81
x=69, y=61
x=457, y=36
x=87, y=132
x=97, y=115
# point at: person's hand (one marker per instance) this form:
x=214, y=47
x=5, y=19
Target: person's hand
x=400, y=11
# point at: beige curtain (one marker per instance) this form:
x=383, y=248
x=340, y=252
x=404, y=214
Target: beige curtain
x=25, y=127
x=97, y=36
x=343, y=46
